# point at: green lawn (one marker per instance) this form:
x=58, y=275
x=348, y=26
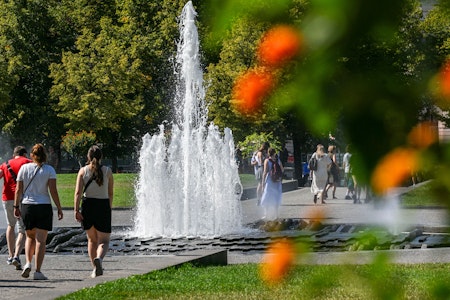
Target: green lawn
x=123, y=188
x=422, y=196
x=377, y=281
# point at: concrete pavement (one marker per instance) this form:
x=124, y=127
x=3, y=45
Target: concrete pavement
x=68, y=273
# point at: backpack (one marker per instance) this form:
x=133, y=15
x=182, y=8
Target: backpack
x=312, y=164
x=275, y=173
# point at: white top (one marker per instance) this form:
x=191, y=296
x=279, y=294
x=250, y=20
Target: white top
x=94, y=190
x=37, y=191
x=259, y=163
x=346, y=162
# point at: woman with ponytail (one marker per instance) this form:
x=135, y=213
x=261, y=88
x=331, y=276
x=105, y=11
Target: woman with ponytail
x=36, y=187
x=95, y=187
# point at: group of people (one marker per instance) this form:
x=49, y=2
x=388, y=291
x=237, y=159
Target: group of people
x=322, y=177
x=268, y=191
x=325, y=178
x=28, y=189
x=327, y=175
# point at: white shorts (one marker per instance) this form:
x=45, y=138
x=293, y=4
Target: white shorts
x=8, y=206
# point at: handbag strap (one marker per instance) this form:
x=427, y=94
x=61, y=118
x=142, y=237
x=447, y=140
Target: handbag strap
x=34, y=175
x=13, y=174
x=89, y=181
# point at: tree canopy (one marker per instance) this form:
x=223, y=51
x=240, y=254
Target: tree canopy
x=362, y=73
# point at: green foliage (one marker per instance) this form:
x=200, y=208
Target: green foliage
x=100, y=84
x=106, y=66
x=360, y=68
x=253, y=142
x=77, y=144
x=29, y=43
x=436, y=27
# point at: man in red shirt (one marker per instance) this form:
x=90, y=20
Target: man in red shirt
x=9, y=171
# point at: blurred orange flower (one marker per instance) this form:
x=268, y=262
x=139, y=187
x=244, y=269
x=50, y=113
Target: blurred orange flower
x=444, y=79
x=279, y=45
x=250, y=90
x=394, y=168
x=317, y=214
x=423, y=135
x=277, y=261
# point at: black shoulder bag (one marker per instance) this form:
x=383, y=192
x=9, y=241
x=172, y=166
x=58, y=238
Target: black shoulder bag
x=13, y=174
x=83, y=197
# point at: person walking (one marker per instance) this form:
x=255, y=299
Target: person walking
x=272, y=190
x=320, y=175
x=8, y=171
x=95, y=183
x=258, y=164
x=333, y=172
x=32, y=202
x=348, y=173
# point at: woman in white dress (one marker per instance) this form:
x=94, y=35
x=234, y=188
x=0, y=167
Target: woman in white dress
x=320, y=176
x=272, y=191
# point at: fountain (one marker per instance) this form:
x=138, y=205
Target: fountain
x=188, y=183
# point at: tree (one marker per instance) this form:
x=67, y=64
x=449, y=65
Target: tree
x=77, y=144
x=436, y=32
x=117, y=81
x=354, y=63
x=28, y=38
x=100, y=86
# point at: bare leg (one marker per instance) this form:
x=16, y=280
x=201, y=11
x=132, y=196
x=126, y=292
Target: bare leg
x=10, y=239
x=20, y=244
x=41, y=238
x=103, y=243
x=30, y=245
x=98, y=243
x=92, y=243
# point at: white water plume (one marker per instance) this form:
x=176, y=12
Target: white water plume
x=188, y=182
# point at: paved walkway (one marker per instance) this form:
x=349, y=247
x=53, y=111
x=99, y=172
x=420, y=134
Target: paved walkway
x=68, y=273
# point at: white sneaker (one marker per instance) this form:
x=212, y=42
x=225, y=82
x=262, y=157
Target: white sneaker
x=39, y=276
x=98, y=267
x=26, y=271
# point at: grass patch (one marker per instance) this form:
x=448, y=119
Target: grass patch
x=248, y=180
x=378, y=281
x=123, y=188
x=420, y=196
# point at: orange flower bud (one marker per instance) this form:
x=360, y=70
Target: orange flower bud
x=277, y=261
x=394, y=168
x=250, y=90
x=423, y=135
x=444, y=80
x=279, y=45
x=316, y=214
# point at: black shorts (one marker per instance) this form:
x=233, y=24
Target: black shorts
x=37, y=216
x=97, y=213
